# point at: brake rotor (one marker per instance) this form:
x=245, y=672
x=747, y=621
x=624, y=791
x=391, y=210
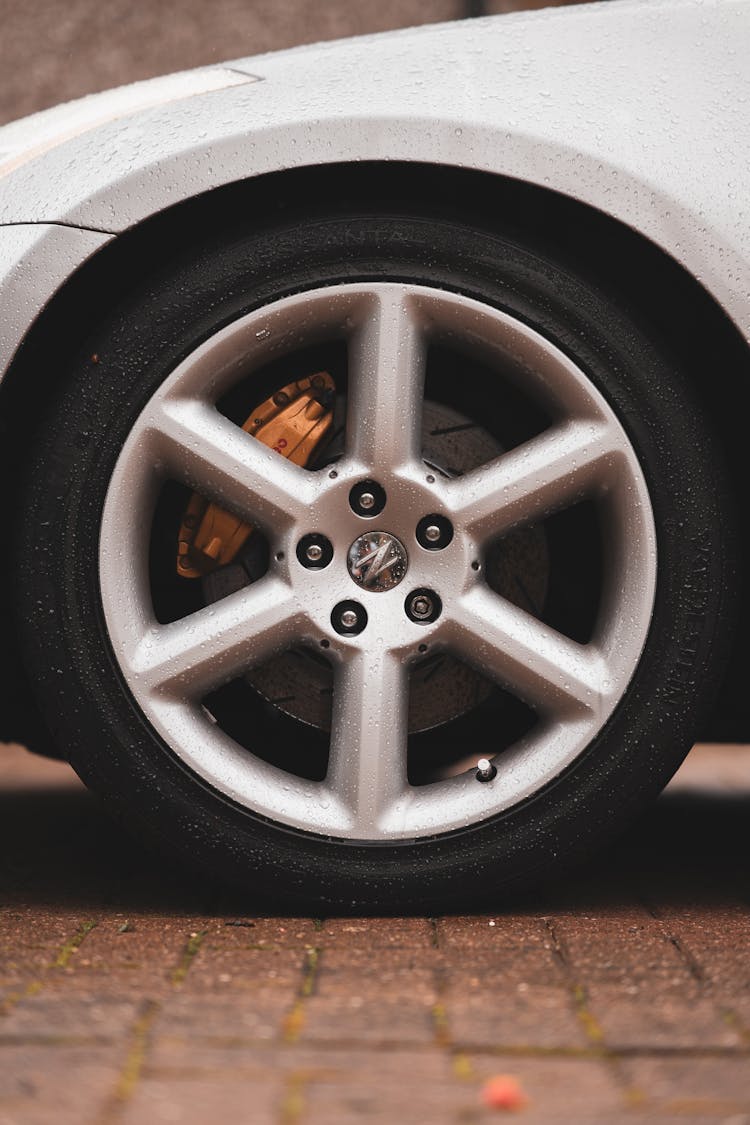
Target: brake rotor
x=300, y=682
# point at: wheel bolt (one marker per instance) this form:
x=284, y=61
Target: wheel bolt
x=349, y=618
x=367, y=498
x=314, y=551
x=423, y=606
x=434, y=532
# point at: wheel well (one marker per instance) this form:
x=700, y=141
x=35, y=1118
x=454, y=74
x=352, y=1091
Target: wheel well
x=638, y=275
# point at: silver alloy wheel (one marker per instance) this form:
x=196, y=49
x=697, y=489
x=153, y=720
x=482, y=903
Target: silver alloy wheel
x=573, y=688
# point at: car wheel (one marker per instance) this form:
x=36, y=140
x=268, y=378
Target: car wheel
x=463, y=638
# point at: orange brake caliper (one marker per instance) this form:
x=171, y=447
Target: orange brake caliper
x=293, y=422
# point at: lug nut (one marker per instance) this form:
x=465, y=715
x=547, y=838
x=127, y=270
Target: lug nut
x=485, y=770
x=349, y=618
x=314, y=551
x=434, y=532
x=423, y=606
x=367, y=498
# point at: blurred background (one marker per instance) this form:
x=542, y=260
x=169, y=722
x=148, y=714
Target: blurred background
x=51, y=52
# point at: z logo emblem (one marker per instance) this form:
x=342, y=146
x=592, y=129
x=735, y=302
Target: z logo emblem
x=377, y=561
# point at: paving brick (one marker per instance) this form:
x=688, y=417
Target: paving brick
x=624, y=948
x=518, y=949
x=194, y=1102
x=61, y=1018
x=493, y=1013
x=227, y=971
x=402, y=1023
x=406, y=1086
x=263, y=933
x=388, y=962
x=244, y=1016
x=629, y=1117
x=197, y=1057
x=636, y=983
x=378, y=934
x=347, y=1098
x=44, y=1085
x=118, y=957
x=716, y=944
x=32, y=940
x=650, y=1022
x=718, y=1085
x=504, y=986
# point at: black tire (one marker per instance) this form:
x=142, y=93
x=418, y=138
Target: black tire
x=60, y=621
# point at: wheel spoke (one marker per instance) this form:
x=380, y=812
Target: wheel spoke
x=367, y=765
x=386, y=381
x=213, y=645
x=554, y=675
x=540, y=477
x=210, y=454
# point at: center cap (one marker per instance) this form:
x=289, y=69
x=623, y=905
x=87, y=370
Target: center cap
x=377, y=561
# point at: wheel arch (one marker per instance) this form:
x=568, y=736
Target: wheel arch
x=638, y=274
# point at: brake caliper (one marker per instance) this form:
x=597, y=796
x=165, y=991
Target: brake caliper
x=293, y=422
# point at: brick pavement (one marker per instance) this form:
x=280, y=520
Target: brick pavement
x=133, y=992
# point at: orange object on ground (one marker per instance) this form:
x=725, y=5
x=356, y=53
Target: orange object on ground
x=504, y=1092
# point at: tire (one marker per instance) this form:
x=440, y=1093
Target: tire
x=579, y=792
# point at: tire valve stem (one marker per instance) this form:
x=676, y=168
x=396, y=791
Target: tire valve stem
x=485, y=770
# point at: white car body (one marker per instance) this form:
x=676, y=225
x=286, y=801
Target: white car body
x=638, y=109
